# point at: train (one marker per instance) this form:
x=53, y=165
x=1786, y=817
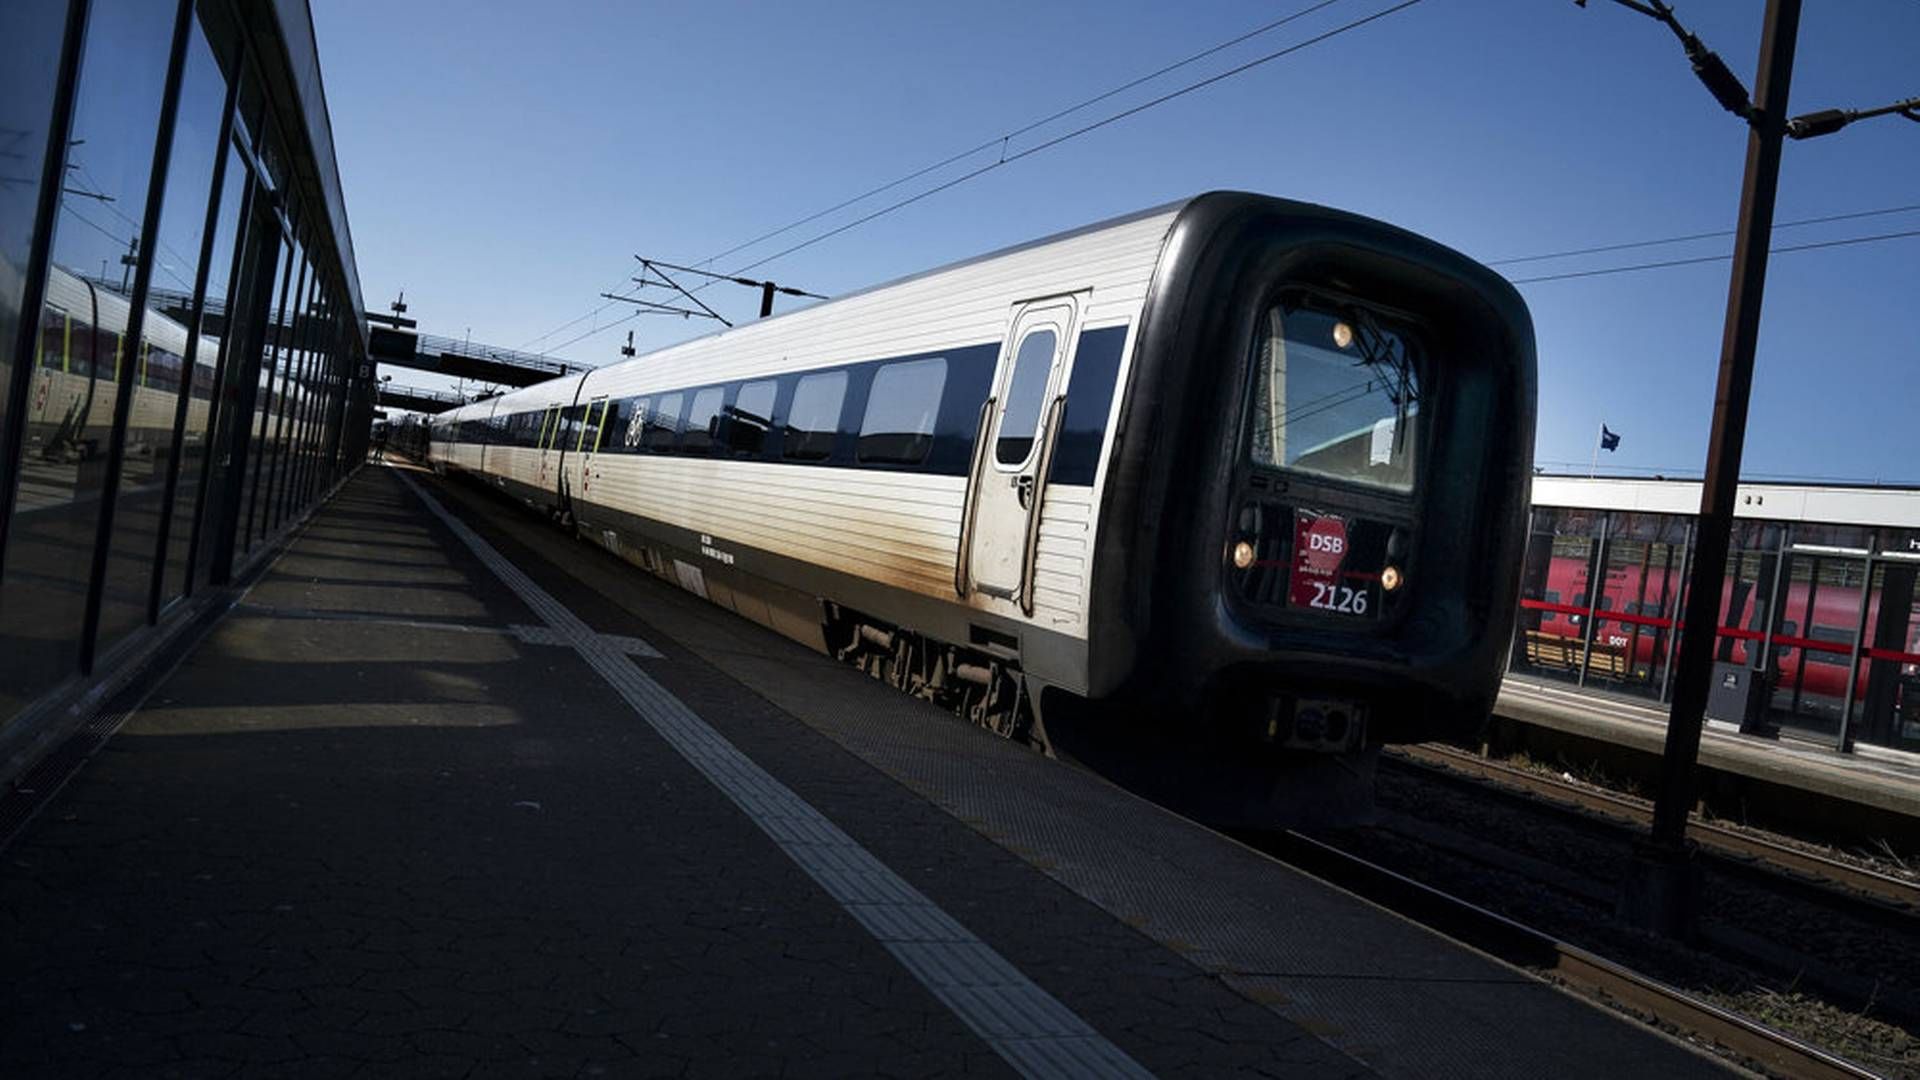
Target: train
x=1229, y=492
x=75, y=385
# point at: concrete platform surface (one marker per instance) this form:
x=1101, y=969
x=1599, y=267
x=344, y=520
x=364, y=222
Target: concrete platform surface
x=453, y=794
x=1885, y=780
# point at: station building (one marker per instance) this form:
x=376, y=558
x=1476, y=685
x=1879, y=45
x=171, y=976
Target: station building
x=1819, y=628
x=182, y=347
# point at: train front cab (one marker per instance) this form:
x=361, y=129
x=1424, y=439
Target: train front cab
x=1318, y=496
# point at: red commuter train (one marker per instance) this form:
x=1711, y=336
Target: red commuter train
x=1636, y=614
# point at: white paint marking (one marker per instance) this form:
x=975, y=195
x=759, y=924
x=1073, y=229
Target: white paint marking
x=1029, y=1028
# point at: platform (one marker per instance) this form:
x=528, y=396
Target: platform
x=1885, y=782
x=450, y=793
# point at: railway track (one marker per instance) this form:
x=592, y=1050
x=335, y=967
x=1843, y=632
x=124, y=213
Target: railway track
x=1727, y=849
x=1530, y=949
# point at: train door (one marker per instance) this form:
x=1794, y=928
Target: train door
x=1000, y=527
x=585, y=445
x=489, y=434
x=547, y=448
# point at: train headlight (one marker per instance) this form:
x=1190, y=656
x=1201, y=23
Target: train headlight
x=1390, y=578
x=1242, y=555
x=1342, y=334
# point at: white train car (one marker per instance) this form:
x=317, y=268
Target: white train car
x=1100, y=467
x=75, y=385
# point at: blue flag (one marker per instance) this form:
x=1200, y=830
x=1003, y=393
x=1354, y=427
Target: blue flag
x=1608, y=440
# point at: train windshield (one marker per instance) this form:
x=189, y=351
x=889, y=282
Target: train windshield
x=1336, y=394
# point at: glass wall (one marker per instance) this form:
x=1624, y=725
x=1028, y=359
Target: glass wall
x=1890, y=685
x=125, y=420
x=97, y=242
x=1828, y=616
x=1645, y=572
x=214, y=312
x=293, y=403
x=1562, y=555
x=258, y=268
x=273, y=354
x=1823, y=585
x=162, y=373
x=30, y=53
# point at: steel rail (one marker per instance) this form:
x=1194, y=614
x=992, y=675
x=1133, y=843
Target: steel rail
x=1731, y=848
x=1527, y=948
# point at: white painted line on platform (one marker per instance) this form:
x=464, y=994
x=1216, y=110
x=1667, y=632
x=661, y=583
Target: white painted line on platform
x=1029, y=1028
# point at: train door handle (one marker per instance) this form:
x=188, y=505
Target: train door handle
x=1024, y=485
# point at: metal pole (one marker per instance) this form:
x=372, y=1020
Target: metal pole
x=1844, y=741
x=1596, y=585
x=1673, y=631
x=1659, y=889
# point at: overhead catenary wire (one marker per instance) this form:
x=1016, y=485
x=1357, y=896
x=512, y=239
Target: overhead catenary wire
x=998, y=140
x=1002, y=140
x=1696, y=260
x=1086, y=129
x=577, y=338
x=1007, y=159
x=1714, y=235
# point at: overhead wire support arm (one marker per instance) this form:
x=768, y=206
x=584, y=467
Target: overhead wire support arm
x=648, y=265
x=1827, y=121
x=1712, y=71
x=767, y=288
x=648, y=307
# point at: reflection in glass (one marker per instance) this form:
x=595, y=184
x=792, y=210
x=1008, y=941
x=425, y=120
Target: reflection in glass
x=266, y=384
x=663, y=423
x=29, y=67
x=96, y=243
x=298, y=327
x=259, y=263
x=160, y=368
x=750, y=417
x=813, y=420
x=700, y=415
x=213, y=328
x=1345, y=412
x=1020, y=414
x=901, y=410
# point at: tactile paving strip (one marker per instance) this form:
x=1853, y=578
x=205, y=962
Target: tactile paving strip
x=1029, y=1028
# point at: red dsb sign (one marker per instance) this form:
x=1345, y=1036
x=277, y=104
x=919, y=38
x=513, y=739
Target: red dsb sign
x=1319, y=550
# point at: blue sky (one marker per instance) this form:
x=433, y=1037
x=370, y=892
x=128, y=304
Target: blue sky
x=503, y=162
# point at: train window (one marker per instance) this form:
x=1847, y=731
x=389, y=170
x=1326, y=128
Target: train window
x=56, y=337
x=700, y=417
x=1553, y=596
x=1083, y=427
x=663, y=422
x=901, y=409
x=751, y=416
x=813, y=420
x=1020, y=416
x=1835, y=635
x=589, y=438
x=1788, y=628
x=1336, y=394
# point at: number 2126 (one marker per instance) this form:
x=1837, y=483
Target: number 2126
x=1339, y=598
